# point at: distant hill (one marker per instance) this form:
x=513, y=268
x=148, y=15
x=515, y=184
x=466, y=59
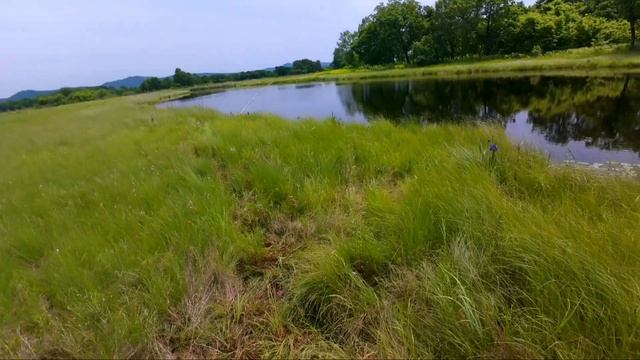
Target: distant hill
x=28, y=94
x=130, y=83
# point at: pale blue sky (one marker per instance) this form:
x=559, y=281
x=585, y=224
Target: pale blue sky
x=47, y=44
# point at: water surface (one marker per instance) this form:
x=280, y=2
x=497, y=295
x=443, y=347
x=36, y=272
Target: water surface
x=570, y=118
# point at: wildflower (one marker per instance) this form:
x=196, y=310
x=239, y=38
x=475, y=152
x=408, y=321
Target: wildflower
x=493, y=147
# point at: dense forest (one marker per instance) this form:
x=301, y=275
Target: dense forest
x=405, y=32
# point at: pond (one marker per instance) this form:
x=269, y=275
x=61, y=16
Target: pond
x=593, y=120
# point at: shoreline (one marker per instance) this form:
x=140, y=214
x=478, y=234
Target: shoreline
x=608, y=168
x=594, y=62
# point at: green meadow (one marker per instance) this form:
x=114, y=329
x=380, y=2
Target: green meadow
x=129, y=231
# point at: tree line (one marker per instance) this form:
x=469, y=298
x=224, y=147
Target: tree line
x=406, y=32
x=182, y=78
x=66, y=96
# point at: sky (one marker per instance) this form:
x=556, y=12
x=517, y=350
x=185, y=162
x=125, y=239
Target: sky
x=48, y=44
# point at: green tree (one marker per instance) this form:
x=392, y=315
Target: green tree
x=424, y=52
x=600, y=8
x=283, y=70
x=151, y=84
x=305, y=66
x=387, y=35
x=534, y=30
x=498, y=23
x=344, y=55
x=66, y=91
x=579, y=23
x=182, y=78
x=456, y=25
x=373, y=46
x=630, y=11
x=569, y=29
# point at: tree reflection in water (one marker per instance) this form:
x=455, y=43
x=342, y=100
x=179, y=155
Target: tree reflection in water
x=601, y=112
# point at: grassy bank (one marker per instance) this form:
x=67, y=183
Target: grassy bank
x=127, y=231
x=600, y=61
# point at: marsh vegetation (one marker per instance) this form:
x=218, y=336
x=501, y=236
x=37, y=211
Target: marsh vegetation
x=129, y=231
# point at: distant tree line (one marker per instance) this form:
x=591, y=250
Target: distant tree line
x=181, y=78
x=405, y=32
x=65, y=96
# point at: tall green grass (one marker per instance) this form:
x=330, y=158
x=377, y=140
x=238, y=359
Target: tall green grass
x=127, y=231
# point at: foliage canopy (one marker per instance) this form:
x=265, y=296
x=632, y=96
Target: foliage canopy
x=404, y=31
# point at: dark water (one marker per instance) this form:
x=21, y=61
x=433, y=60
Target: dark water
x=583, y=119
